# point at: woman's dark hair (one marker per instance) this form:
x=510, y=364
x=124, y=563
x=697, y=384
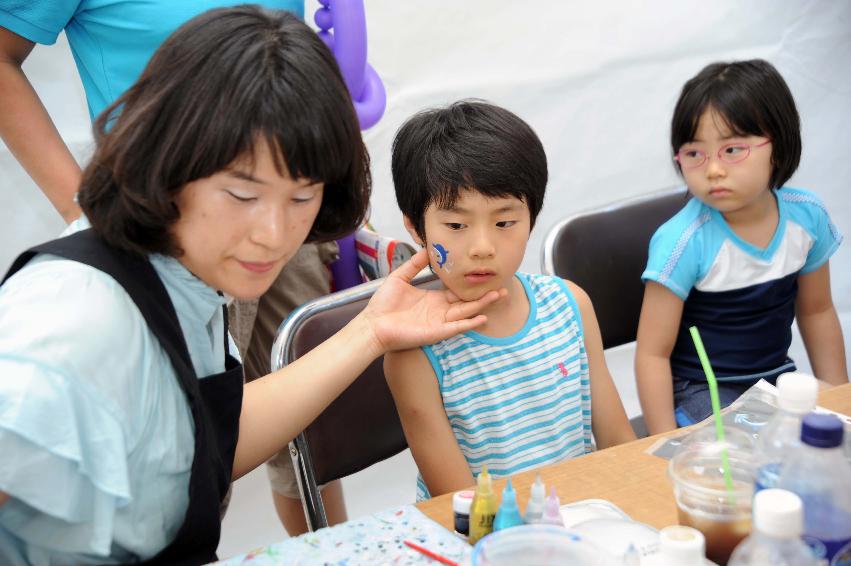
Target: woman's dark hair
x=225, y=81
x=753, y=99
x=470, y=144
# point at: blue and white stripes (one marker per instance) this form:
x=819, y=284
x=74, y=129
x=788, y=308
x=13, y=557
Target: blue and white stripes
x=522, y=401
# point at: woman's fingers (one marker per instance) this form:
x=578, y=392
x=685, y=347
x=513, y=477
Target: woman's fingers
x=408, y=270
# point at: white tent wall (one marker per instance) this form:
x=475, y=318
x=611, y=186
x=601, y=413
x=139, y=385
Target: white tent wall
x=596, y=80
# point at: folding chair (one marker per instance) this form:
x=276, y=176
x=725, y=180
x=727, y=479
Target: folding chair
x=361, y=427
x=604, y=251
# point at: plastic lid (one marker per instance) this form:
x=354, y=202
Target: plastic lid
x=461, y=501
x=681, y=546
x=822, y=430
x=778, y=513
x=797, y=392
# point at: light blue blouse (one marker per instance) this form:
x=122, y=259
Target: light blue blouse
x=96, y=439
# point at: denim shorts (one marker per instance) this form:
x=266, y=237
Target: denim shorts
x=692, y=402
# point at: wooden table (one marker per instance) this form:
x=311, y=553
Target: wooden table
x=625, y=475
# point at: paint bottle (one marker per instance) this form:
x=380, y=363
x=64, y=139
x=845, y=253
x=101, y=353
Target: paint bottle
x=535, y=507
x=483, y=507
x=461, y=502
x=552, y=510
x=508, y=514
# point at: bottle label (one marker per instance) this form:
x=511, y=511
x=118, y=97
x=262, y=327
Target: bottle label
x=840, y=552
x=830, y=552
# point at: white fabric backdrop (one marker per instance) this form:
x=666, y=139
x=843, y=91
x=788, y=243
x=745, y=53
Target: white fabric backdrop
x=597, y=81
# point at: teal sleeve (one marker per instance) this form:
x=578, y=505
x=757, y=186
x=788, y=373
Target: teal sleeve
x=38, y=21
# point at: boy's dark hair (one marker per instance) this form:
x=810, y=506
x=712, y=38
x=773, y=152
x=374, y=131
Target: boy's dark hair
x=223, y=82
x=470, y=144
x=753, y=99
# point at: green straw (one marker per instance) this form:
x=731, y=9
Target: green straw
x=716, y=403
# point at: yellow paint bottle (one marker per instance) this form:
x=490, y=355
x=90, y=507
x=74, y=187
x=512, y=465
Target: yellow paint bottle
x=483, y=509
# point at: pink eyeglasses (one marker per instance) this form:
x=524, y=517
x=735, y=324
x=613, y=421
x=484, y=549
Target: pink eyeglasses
x=691, y=157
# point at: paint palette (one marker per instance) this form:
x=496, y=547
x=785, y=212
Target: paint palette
x=375, y=539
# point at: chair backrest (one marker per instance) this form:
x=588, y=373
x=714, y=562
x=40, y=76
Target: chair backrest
x=358, y=429
x=604, y=251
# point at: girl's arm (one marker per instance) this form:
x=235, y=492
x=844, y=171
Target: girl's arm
x=427, y=429
x=30, y=134
x=3, y=498
x=277, y=407
x=819, y=326
x=608, y=418
x=658, y=326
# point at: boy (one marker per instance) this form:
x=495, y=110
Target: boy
x=526, y=389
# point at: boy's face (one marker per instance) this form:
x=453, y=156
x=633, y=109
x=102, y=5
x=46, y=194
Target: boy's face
x=239, y=227
x=729, y=188
x=477, y=245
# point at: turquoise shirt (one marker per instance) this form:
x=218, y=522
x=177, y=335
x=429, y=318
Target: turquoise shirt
x=111, y=40
x=96, y=437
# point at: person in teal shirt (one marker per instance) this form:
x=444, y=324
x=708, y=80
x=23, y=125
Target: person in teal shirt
x=111, y=42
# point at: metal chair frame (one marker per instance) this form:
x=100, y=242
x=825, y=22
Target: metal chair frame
x=283, y=354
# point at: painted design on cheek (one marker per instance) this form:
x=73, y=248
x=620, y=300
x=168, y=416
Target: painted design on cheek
x=440, y=255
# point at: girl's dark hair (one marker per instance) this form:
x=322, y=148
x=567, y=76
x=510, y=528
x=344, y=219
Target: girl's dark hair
x=753, y=99
x=470, y=144
x=225, y=81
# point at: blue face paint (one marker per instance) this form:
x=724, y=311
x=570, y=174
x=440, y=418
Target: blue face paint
x=441, y=254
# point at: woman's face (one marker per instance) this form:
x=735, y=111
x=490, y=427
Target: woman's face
x=238, y=228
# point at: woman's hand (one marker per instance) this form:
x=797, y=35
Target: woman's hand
x=402, y=316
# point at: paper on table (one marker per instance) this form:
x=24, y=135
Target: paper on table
x=375, y=539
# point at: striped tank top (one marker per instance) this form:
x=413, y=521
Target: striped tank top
x=522, y=401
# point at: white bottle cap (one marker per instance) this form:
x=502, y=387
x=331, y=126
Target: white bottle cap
x=681, y=546
x=778, y=513
x=797, y=392
x=461, y=502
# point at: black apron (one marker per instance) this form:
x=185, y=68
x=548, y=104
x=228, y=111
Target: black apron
x=215, y=401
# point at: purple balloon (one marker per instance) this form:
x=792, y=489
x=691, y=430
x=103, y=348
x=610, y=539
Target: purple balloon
x=348, y=44
x=323, y=18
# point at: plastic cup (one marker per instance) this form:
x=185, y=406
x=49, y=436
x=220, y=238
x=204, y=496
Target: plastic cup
x=537, y=545
x=705, y=501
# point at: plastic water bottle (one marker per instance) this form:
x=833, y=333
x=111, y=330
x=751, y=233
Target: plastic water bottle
x=778, y=522
x=821, y=476
x=781, y=437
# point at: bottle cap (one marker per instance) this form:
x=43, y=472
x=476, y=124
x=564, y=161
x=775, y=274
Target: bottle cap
x=778, y=513
x=535, y=505
x=483, y=482
x=552, y=509
x=797, y=392
x=681, y=546
x=461, y=501
x=822, y=430
x=538, y=490
x=509, y=496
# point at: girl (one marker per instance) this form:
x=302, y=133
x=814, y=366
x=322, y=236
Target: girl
x=122, y=415
x=743, y=258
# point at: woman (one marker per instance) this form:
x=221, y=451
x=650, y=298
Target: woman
x=237, y=144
